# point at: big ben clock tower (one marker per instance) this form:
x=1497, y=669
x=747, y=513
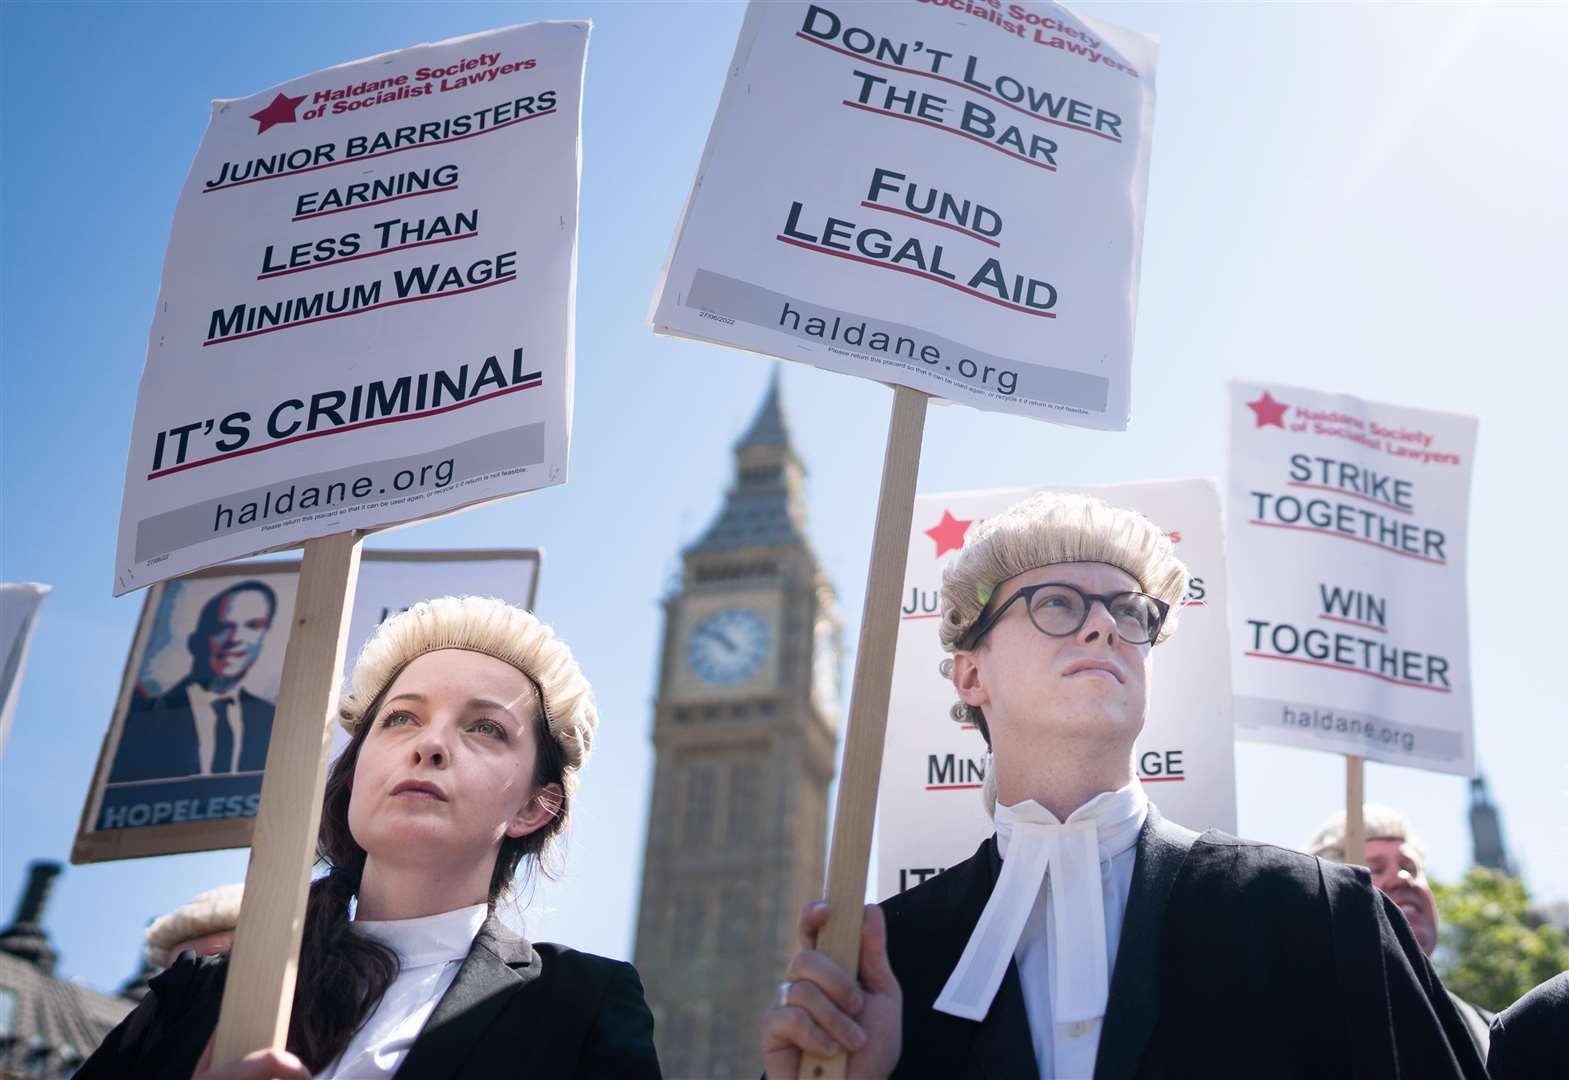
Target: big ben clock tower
x=745, y=726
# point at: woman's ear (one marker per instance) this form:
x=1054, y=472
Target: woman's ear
x=967, y=680
x=538, y=812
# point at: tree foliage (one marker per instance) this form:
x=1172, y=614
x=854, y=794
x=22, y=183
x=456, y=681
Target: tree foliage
x=1491, y=947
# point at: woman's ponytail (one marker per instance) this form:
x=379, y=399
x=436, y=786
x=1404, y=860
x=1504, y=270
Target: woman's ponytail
x=343, y=975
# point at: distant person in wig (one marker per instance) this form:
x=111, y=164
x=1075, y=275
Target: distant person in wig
x=468, y=721
x=1089, y=936
x=204, y=926
x=1398, y=862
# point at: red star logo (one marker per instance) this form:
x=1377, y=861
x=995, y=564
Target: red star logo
x=949, y=533
x=281, y=111
x=1269, y=411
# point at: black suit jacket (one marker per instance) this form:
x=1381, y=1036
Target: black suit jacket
x=159, y=739
x=1236, y=959
x=514, y=1009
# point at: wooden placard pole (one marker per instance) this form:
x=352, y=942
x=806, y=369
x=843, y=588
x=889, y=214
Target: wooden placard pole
x=850, y=852
x=1356, y=832
x=259, y=992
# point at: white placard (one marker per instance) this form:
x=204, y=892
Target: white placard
x=223, y=632
x=366, y=314
x=1348, y=552
x=930, y=813
x=19, y=606
x=391, y=582
x=948, y=197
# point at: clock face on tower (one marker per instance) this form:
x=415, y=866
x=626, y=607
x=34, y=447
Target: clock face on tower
x=728, y=646
x=825, y=668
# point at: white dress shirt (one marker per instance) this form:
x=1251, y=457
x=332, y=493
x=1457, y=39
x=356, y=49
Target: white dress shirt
x=1063, y=939
x=205, y=714
x=1066, y=1050
x=430, y=951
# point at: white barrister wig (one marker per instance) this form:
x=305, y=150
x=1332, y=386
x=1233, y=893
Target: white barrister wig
x=1379, y=822
x=1057, y=527
x=207, y=913
x=495, y=628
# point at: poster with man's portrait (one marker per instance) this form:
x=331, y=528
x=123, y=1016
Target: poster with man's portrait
x=182, y=762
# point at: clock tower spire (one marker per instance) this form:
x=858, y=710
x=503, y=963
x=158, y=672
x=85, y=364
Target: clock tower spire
x=745, y=726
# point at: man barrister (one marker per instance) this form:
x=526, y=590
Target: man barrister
x=1089, y=936
x=208, y=723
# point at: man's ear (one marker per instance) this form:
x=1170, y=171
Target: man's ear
x=967, y=680
x=538, y=812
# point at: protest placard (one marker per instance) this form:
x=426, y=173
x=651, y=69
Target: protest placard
x=19, y=604
x=213, y=643
x=366, y=308
x=950, y=199
x=294, y=395
x=1348, y=568
x=930, y=814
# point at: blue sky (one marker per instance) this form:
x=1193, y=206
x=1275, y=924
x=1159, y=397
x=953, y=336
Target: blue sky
x=1364, y=199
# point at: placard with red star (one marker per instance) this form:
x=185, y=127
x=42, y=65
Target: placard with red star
x=1347, y=534
x=365, y=311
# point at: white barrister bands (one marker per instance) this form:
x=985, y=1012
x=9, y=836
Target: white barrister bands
x=1040, y=852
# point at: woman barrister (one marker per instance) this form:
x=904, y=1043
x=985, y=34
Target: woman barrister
x=469, y=721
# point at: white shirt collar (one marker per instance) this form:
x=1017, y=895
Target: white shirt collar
x=204, y=711
x=430, y=939
x=1118, y=816
x=200, y=695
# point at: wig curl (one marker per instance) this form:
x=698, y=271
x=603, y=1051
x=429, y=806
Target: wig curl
x=495, y=628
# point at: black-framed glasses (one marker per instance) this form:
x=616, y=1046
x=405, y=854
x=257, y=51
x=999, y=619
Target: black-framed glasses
x=1058, y=609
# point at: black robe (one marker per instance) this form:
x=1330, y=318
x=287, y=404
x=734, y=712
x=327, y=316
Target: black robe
x=1236, y=959
x=513, y=1009
x=1531, y=1037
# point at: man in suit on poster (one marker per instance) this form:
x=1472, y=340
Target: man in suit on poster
x=1088, y=936
x=208, y=723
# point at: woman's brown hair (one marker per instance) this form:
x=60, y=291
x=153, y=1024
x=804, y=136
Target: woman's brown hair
x=343, y=975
